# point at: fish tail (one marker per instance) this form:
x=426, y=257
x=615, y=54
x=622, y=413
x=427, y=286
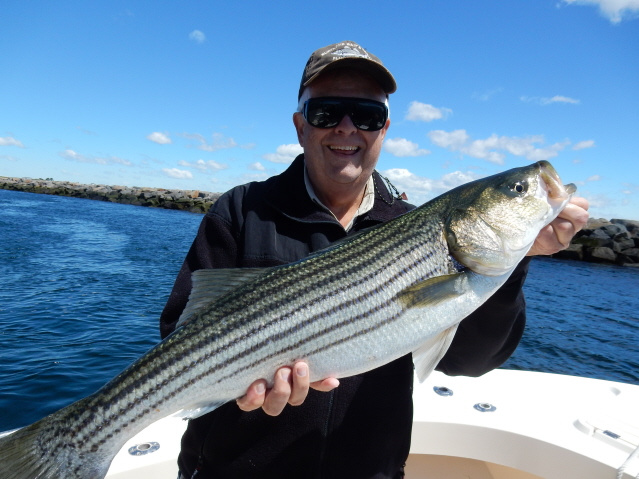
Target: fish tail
x=20, y=457
x=42, y=451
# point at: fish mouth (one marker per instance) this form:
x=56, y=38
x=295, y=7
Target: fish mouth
x=556, y=190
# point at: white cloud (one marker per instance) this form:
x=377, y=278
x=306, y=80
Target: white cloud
x=549, y=101
x=420, y=189
x=423, y=112
x=220, y=142
x=257, y=166
x=452, y=140
x=494, y=148
x=284, y=153
x=111, y=160
x=614, y=10
x=179, y=174
x=594, y=178
x=582, y=145
x=202, y=165
x=159, y=138
x=560, y=99
x=402, y=148
x=197, y=36
x=10, y=141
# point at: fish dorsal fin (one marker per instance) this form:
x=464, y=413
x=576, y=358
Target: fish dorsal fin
x=433, y=290
x=428, y=355
x=210, y=284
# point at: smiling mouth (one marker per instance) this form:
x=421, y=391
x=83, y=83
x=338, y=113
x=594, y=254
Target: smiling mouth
x=344, y=149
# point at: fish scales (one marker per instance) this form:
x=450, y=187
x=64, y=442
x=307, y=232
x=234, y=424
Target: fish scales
x=345, y=310
x=311, y=292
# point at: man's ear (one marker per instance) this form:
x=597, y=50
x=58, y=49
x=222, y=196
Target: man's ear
x=300, y=123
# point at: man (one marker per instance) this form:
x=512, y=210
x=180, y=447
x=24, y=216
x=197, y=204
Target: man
x=360, y=429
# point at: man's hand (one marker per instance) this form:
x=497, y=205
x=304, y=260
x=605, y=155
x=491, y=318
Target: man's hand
x=557, y=235
x=290, y=386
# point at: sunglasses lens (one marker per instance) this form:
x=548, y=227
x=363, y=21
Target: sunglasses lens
x=369, y=116
x=323, y=112
x=327, y=112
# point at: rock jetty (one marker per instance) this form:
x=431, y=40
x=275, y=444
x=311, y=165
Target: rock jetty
x=601, y=241
x=187, y=200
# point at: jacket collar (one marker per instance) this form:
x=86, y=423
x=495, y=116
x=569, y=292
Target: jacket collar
x=287, y=193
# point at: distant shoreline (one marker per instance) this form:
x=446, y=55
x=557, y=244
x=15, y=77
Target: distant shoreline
x=194, y=201
x=613, y=241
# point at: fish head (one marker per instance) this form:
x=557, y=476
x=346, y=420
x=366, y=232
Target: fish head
x=493, y=222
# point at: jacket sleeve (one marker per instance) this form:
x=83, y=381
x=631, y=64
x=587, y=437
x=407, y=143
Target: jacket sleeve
x=214, y=246
x=488, y=336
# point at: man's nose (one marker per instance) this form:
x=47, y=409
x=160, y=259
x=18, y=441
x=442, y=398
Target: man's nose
x=346, y=125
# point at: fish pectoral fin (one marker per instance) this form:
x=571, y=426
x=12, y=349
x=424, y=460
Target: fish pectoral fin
x=197, y=410
x=428, y=355
x=433, y=291
x=209, y=284
x=428, y=293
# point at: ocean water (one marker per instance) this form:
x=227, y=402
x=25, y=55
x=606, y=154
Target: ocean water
x=84, y=282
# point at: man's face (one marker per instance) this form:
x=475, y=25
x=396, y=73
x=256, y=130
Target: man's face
x=342, y=156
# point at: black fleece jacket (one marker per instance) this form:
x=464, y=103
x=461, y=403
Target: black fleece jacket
x=361, y=429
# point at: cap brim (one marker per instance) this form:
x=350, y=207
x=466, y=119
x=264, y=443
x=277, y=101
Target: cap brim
x=377, y=71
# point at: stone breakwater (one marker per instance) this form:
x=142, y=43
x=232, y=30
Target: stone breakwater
x=601, y=241
x=186, y=200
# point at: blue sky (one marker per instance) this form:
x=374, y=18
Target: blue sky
x=200, y=95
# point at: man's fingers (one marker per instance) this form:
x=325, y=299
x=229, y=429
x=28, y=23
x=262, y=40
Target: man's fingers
x=576, y=212
x=571, y=220
x=325, y=385
x=254, y=397
x=300, y=384
x=278, y=396
x=558, y=234
x=290, y=386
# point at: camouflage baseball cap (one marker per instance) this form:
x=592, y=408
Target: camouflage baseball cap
x=346, y=55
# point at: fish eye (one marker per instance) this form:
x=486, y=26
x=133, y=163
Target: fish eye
x=519, y=187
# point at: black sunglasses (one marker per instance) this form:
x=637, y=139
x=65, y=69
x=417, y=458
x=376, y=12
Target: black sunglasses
x=328, y=111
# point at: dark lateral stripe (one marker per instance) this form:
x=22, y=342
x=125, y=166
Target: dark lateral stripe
x=110, y=420
x=315, y=292
x=310, y=289
x=201, y=344
x=291, y=279
x=313, y=337
x=307, y=325
x=373, y=252
x=305, y=282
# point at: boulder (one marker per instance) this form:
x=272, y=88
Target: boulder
x=616, y=232
x=594, y=238
x=573, y=252
x=600, y=255
x=594, y=223
x=620, y=245
x=628, y=256
x=631, y=225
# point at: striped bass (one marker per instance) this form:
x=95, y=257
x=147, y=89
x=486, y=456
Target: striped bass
x=398, y=288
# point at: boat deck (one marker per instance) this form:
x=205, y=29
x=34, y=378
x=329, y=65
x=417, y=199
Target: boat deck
x=504, y=425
